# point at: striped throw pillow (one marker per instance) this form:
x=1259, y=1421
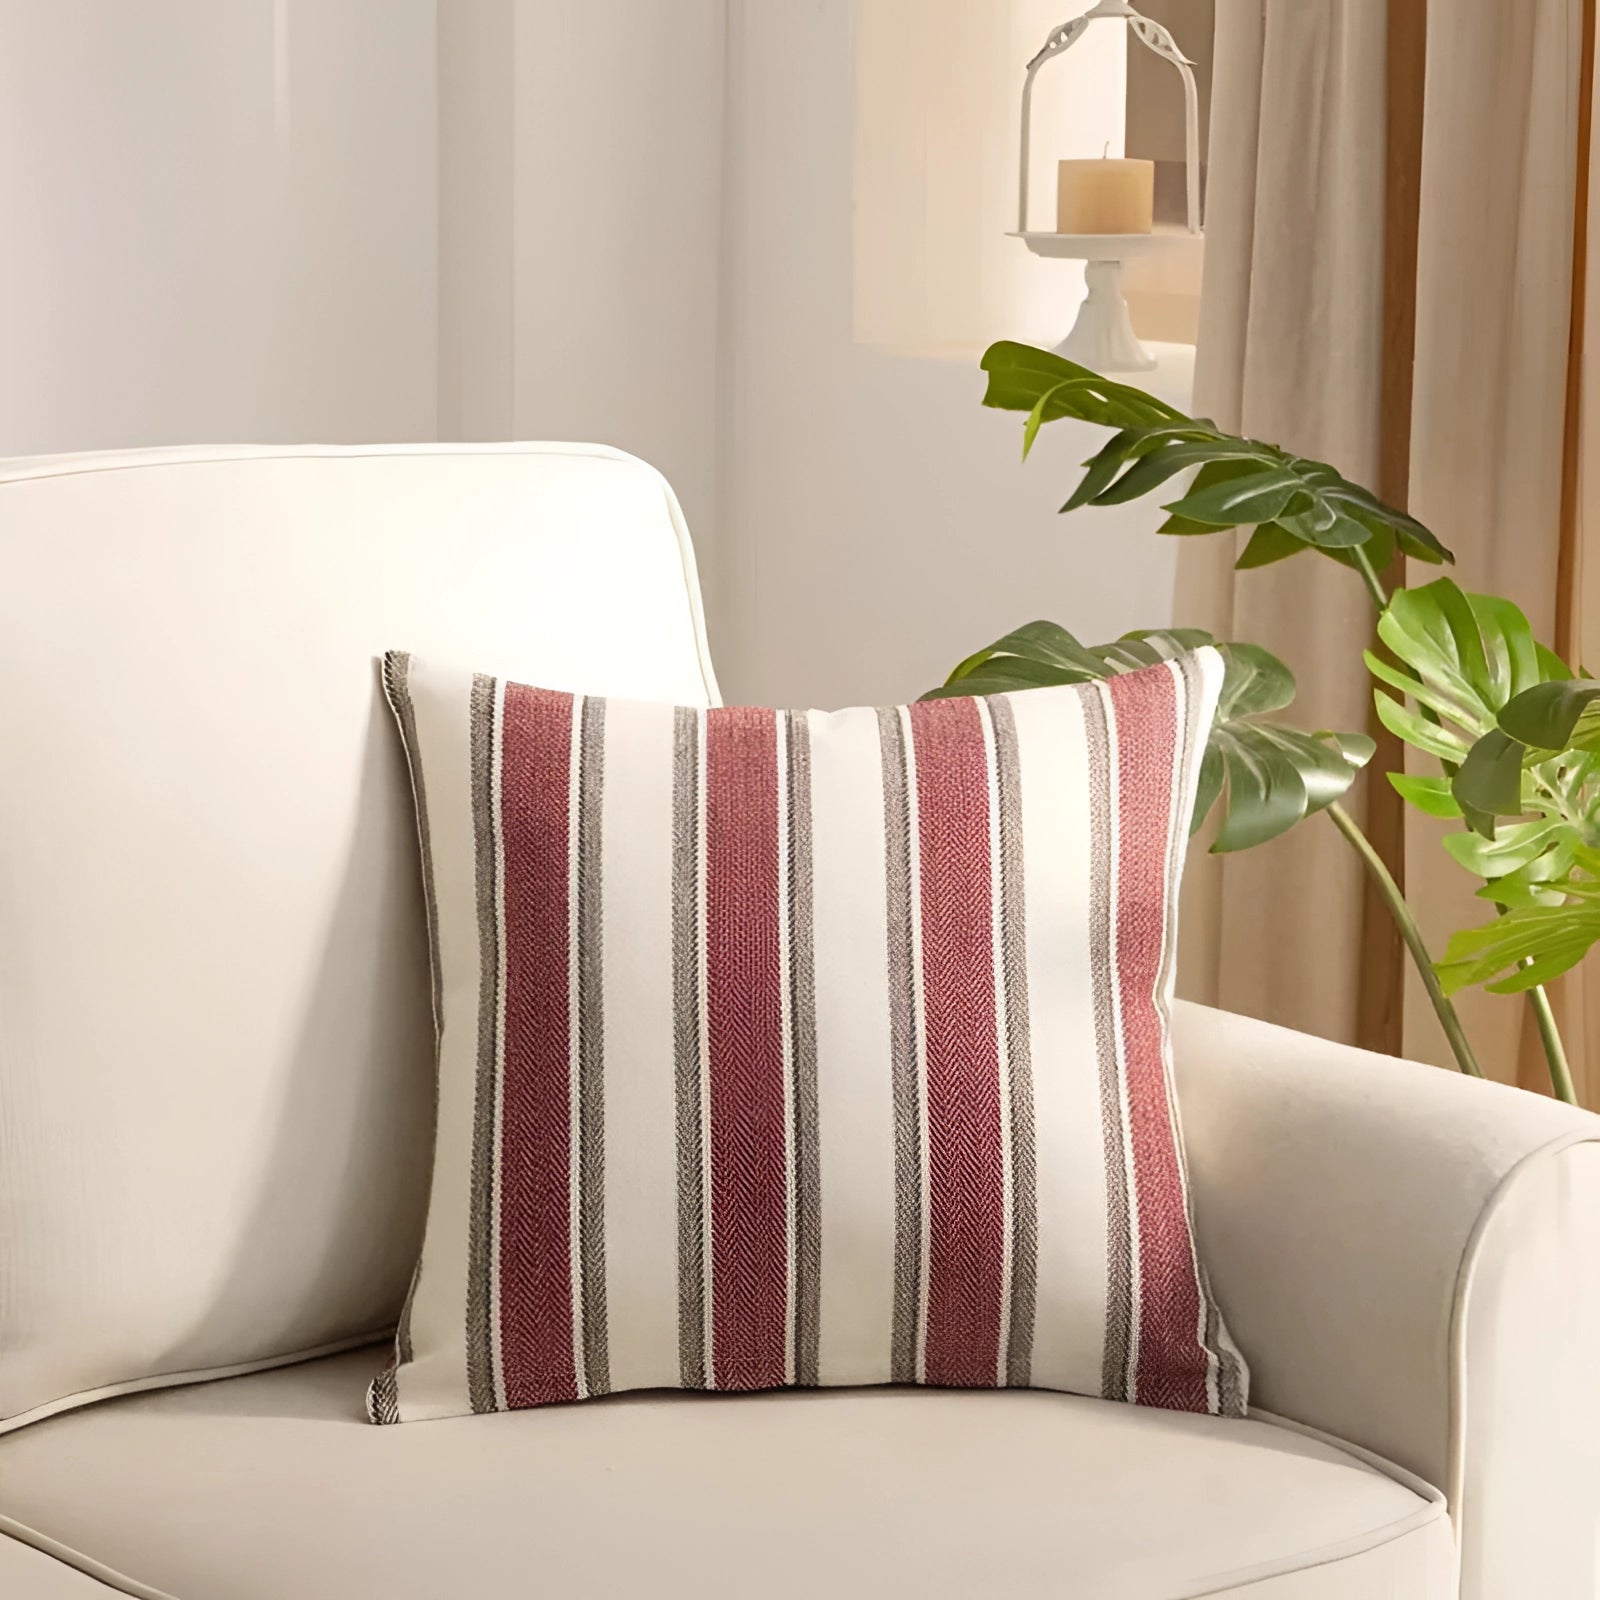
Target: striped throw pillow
x=784, y=1047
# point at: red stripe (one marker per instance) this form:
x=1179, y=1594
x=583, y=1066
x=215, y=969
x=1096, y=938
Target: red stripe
x=744, y=1023
x=535, y=1135
x=966, y=1189
x=1172, y=1362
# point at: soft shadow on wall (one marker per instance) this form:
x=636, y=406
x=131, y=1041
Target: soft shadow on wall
x=879, y=524
x=220, y=223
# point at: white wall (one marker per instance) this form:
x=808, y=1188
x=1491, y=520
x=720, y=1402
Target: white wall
x=937, y=88
x=876, y=523
x=219, y=221
x=581, y=147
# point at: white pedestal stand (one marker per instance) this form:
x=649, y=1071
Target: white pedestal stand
x=1103, y=338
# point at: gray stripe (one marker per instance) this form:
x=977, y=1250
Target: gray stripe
x=1024, y=1197
x=590, y=956
x=686, y=962
x=1230, y=1368
x=397, y=687
x=484, y=737
x=803, y=1057
x=1231, y=1388
x=1116, y=1382
x=908, y=1266
x=383, y=1397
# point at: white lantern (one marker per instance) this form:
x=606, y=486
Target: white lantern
x=1103, y=336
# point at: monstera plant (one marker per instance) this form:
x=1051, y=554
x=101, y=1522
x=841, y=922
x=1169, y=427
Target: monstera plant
x=1511, y=733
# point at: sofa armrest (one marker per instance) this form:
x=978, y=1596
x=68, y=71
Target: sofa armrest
x=1410, y=1260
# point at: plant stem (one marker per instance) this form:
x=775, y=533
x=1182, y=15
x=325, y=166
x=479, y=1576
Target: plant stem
x=1409, y=931
x=1369, y=576
x=1554, y=1051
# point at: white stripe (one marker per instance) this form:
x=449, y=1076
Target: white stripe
x=991, y=767
x=785, y=867
x=574, y=1050
x=1114, y=828
x=1184, y=785
x=641, y=1151
x=496, y=1361
x=855, y=1081
x=705, y=1049
x=1069, y=1142
x=434, y=1383
x=919, y=1016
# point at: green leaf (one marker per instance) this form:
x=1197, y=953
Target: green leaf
x=1269, y=543
x=1460, y=708
x=1514, y=658
x=1119, y=451
x=1552, y=669
x=1220, y=462
x=1552, y=938
x=1555, y=716
x=1379, y=549
x=1266, y=794
x=1417, y=541
x=1488, y=783
x=1357, y=748
x=1536, y=882
x=1254, y=681
x=1041, y=654
x=1003, y=674
x=1277, y=776
x=1425, y=736
x=1155, y=441
x=1183, y=528
x=1511, y=849
x=1146, y=646
x=1044, y=642
x=1327, y=762
x=1326, y=526
x=1265, y=776
x=1208, y=786
x=1429, y=795
x=1362, y=506
x=1030, y=429
x=1260, y=497
x=1176, y=639
x=1020, y=375
x=1432, y=629
x=1128, y=655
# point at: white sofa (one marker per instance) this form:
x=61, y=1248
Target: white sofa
x=215, y=1097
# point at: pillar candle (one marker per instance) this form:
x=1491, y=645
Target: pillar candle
x=1105, y=196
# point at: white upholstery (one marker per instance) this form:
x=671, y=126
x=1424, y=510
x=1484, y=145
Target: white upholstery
x=33, y=1574
x=215, y=1051
x=1411, y=1261
x=273, y=1486
x=215, y=1105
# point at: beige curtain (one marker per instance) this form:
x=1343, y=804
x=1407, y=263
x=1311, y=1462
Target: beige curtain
x=1290, y=349
x=1386, y=181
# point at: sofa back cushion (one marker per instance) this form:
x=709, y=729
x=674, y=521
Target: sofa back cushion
x=216, y=1074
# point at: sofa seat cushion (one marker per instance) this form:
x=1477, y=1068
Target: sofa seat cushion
x=274, y=1485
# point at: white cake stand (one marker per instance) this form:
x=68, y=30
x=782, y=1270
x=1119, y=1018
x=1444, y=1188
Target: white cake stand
x=1103, y=336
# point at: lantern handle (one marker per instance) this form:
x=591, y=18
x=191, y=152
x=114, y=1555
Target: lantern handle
x=1156, y=39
